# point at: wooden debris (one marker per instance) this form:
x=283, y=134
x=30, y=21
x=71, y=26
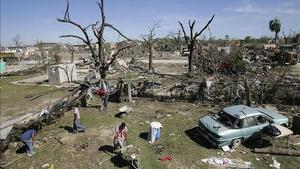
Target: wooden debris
x=59, y=141
x=10, y=162
x=277, y=152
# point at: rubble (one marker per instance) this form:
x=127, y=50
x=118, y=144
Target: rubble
x=225, y=162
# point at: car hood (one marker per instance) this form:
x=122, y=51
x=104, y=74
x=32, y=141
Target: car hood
x=274, y=115
x=212, y=124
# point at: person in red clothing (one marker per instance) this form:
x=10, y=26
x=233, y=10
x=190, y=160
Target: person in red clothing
x=120, y=136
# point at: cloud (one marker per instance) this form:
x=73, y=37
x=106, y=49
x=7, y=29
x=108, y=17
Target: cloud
x=248, y=7
x=288, y=11
x=287, y=8
x=289, y=4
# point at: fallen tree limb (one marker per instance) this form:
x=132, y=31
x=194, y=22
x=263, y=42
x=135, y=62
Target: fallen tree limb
x=59, y=141
x=277, y=152
x=10, y=162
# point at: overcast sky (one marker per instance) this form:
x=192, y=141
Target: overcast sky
x=36, y=19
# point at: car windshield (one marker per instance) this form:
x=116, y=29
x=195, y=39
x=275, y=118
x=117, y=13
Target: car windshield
x=228, y=120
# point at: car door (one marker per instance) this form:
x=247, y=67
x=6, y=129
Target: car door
x=250, y=128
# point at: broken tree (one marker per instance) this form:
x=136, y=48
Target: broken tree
x=150, y=43
x=191, y=40
x=101, y=61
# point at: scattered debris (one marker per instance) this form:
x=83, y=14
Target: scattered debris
x=161, y=114
x=275, y=164
x=10, y=162
x=277, y=152
x=130, y=153
x=166, y=158
x=158, y=148
x=225, y=148
x=221, y=153
x=225, y=162
x=46, y=165
x=125, y=108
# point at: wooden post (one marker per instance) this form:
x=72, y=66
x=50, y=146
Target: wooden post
x=294, y=94
x=129, y=91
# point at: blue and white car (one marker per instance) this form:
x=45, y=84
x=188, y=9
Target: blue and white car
x=236, y=124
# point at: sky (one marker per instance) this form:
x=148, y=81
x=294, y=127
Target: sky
x=36, y=19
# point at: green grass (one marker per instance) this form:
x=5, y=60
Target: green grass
x=17, y=99
x=186, y=153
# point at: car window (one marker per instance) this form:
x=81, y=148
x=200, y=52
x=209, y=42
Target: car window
x=228, y=120
x=240, y=123
x=249, y=122
x=261, y=119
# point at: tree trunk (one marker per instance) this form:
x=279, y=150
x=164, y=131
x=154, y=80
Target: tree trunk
x=72, y=56
x=247, y=93
x=276, y=37
x=151, y=58
x=104, y=72
x=190, y=73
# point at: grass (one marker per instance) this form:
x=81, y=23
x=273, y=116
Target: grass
x=186, y=152
x=19, y=99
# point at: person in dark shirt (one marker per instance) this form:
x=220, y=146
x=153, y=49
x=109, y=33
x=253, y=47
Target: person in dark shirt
x=28, y=138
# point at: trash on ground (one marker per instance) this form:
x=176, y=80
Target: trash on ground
x=225, y=162
x=166, y=158
x=46, y=165
x=275, y=164
x=225, y=148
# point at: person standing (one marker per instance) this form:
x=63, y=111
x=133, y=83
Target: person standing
x=77, y=126
x=154, y=132
x=104, y=93
x=120, y=136
x=28, y=138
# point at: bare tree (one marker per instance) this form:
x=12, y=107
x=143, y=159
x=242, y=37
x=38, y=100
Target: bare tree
x=101, y=61
x=42, y=52
x=177, y=38
x=71, y=50
x=286, y=38
x=17, y=41
x=191, y=40
x=149, y=39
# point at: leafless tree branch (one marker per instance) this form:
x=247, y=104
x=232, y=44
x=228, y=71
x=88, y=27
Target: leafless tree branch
x=112, y=27
x=211, y=19
x=184, y=33
x=114, y=56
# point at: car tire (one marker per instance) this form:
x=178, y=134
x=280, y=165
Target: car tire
x=236, y=143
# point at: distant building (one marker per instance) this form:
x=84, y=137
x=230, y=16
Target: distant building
x=9, y=58
x=30, y=51
x=269, y=46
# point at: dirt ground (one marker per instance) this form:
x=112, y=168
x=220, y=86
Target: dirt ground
x=184, y=145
